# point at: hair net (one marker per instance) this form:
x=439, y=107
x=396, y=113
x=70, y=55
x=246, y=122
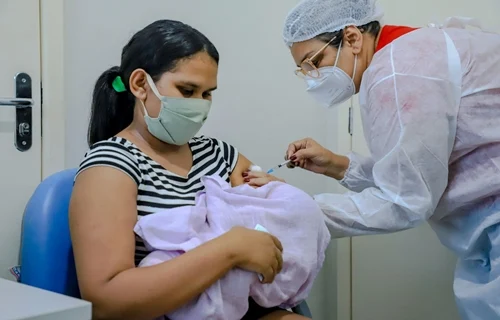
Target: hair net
x=314, y=17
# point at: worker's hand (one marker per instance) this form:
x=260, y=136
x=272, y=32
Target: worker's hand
x=310, y=155
x=259, y=178
x=256, y=251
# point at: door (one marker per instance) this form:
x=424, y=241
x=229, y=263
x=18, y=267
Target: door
x=20, y=132
x=408, y=275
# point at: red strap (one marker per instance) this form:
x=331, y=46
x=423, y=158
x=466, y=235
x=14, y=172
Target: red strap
x=390, y=33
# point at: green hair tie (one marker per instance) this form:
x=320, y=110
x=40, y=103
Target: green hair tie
x=118, y=85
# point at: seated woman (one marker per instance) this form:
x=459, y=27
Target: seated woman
x=143, y=158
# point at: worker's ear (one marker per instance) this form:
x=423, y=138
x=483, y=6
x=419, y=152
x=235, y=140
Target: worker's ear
x=353, y=38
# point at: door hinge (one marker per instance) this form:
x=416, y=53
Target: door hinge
x=349, y=123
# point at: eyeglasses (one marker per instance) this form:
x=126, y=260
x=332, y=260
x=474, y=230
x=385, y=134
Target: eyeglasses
x=307, y=67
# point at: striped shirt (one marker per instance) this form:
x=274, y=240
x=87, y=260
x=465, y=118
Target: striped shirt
x=157, y=188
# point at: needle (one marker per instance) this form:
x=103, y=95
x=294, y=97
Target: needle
x=278, y=166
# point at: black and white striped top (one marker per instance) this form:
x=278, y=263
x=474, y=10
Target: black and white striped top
x=159, y=189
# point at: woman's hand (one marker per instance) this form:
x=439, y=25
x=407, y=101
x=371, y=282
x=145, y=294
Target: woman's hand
x=310, y=155
x=259, y=178
x=256, y=251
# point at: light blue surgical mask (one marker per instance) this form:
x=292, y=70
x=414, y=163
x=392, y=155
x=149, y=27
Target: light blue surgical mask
x=179, y=119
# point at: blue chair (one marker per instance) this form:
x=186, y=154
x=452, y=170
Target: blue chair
x=46, y=253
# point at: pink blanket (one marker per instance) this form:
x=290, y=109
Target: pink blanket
x=285, y=211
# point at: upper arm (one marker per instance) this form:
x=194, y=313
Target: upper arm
x=410, y=119
x=412, y=133
x=412, y=122
x=242, y=165
x=236, y=162
x=103, y=212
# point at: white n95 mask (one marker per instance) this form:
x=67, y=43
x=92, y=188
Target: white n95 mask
x=333, y=86
x=179, y=119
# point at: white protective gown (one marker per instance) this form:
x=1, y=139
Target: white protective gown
x=430, y=105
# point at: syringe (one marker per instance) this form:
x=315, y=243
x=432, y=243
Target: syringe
x=278, y=166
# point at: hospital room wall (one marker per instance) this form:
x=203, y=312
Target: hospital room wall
x=260, y=105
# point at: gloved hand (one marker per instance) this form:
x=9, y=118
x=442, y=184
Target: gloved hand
x=310, y=155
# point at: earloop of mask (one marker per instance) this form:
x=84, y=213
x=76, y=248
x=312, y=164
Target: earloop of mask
x=153, y=86
x=154, y=89
x=355, y=60
x=144, y=107
x=355, y=64
x=338, y=54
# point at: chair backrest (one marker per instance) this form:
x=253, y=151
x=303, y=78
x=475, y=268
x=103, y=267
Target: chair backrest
x=46, y=254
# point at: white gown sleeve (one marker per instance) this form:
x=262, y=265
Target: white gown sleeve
x=359, y=173
x=412, y=123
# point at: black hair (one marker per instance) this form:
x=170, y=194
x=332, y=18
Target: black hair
x=372, y=28
x=157, y=49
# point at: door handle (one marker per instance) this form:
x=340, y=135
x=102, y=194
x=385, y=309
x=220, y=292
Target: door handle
x=16, y=102
x=23, y=103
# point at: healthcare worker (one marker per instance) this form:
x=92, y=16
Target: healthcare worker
x=430, y=107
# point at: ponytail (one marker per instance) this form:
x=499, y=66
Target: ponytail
x=111, y=111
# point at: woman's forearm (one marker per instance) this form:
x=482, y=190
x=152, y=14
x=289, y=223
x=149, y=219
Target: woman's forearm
x=148, y=292
x=337, y=167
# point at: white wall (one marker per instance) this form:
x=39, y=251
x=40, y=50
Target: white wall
x=260, y=105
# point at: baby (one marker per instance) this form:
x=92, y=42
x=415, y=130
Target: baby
x=281, y=209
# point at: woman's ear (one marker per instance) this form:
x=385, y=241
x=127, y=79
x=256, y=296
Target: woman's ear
x=353, y=38
x=138, y=84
